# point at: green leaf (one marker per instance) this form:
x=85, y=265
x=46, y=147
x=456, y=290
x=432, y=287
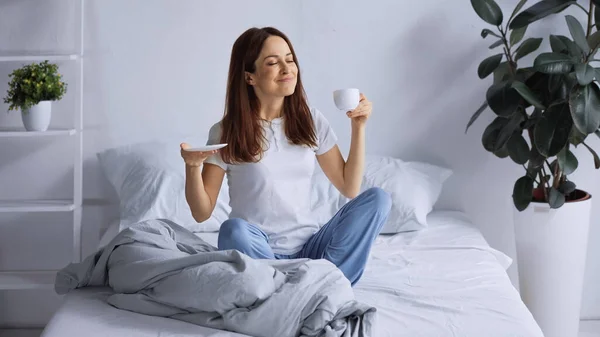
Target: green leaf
x=488, y=11
x=502, y=72
x=496, y=135
x=488, y=65
x=539, y=11
x=497, y=43
x=594, y=40
x=518, y=150
x=576, y=137
x=536, y=159
x=533, y=118
x=517, y=8
x=523, y=192
x=503, y=98
x=557, y=44
x=532, y=173
x=570, y=80
x=528, y=95
x=585, y=73
x=538, y=83
x=33, y=83
x=490, y=134
x=563, y=45
x=517, y=35
x=567, y=161
x=596, y=158
x=523, y=74
x=485, y=32
x=554, y=83
x=577, y=33
x=551, y=133
x=585, y=108
x=508, y=130
x=553, y=63
x=502, y=152
x=476, y=115
x=528, y=46
x=556, y=199
x=567, y=187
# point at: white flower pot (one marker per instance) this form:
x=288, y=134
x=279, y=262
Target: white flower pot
x=551, y=253
x=37, y=118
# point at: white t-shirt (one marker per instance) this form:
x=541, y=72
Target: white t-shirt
x=274, y=193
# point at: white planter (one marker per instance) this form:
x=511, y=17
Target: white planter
x=37, y=118
x=551, y=253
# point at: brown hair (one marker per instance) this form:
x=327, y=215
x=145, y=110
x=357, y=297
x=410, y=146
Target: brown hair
x=240, y=126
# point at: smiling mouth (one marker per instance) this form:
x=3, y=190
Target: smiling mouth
x=287, y=79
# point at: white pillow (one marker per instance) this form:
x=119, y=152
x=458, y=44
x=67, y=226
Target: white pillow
x=149, y=179
x=413, y=186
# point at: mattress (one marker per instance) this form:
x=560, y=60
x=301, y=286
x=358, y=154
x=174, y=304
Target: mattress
x=441, y=281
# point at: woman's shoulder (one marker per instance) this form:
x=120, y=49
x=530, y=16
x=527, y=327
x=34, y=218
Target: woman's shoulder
x=214, y=133
x=318, y=117
x=314, y=111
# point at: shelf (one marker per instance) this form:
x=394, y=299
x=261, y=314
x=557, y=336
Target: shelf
x=19, y=280
x=57, y=57
x=21, y=132
x=20, y=206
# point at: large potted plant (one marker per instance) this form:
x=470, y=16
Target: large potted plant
x=545, y=111
x=32, y=89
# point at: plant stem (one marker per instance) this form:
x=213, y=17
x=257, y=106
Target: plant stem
x=556, y=176
x=582, y=8
x=592, y=53
x=507, y=51
x=527, y=171
x=545, y=182
x=589, y=25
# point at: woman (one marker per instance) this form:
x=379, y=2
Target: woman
x=273, y=138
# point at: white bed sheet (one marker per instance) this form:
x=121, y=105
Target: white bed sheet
x=442, y=281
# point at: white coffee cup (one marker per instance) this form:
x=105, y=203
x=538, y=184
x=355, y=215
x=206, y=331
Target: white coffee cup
x=346, y=99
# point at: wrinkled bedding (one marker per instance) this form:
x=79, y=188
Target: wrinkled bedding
x=442, y=281
x=159, y=268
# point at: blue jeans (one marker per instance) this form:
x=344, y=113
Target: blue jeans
x=345, y=240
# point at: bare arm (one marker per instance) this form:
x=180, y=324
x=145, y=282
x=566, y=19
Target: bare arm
x=202, y=188
x=346, y=176
x=202, y=183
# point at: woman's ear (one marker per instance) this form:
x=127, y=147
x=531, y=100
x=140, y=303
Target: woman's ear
x=249, y=78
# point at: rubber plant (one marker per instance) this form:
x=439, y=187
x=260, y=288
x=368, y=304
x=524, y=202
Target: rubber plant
x=545, y=109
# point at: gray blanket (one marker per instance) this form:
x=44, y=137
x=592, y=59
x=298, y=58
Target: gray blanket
x=160, y=268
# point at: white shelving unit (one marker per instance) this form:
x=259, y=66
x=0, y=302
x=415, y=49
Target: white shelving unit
x=20, y=132
x=44, y=279
x=30, y=58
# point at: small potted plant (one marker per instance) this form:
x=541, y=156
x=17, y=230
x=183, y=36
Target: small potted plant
x=544, y=113
x=32, y=89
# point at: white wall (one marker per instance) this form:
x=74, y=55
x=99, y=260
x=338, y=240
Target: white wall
x=157, y=68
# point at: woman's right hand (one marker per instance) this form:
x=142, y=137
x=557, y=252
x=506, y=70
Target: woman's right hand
x=194, y=158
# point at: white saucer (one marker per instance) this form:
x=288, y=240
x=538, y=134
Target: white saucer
x=206, y=148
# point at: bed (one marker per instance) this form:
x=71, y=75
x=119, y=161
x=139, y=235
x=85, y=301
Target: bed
x=430, y=272
x=443, y=280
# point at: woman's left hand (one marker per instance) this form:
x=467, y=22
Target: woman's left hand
x=362, y=112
